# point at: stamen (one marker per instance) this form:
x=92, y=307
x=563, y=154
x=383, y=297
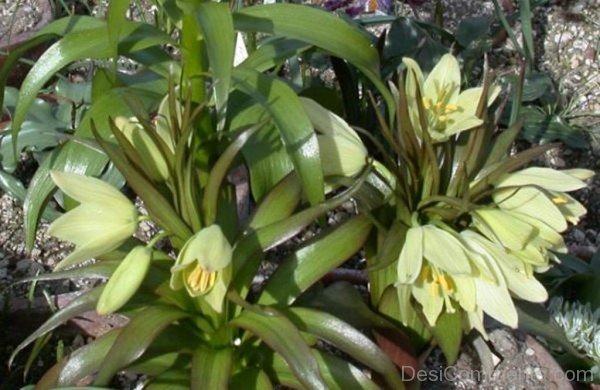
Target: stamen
x=450, y=108
x=201, y=280
x=426, y=103
x=443, y=118
x=558, y=199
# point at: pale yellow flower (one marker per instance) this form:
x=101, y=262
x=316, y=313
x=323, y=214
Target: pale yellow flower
x=203, y=266
x=104, y=219
x=448, y=110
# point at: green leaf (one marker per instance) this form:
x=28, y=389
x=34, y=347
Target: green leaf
x=135, y=338
x=219, y=171
x=540, y=127
x=274, y=52
x=347, y=339
x=80, y=363
x=92, y=43
x=101, y=269
x=211, y=368
x=343, y=301
x=319, y=28
x=217, y=26
x=250, y=378
x=158, y=207
x=448, y=334
x=337, y=373
x=272, y=235
x=284, y=338
x=294, y=126
x=533, y=318
x=83, y=303
x=278, y=204
x=471, y=29
x=317, y=257
x=171, y=380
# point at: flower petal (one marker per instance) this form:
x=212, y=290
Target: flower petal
x=443, y=79
x=445, y=251
x=431, y=300
x=496, y=302
x=503, y=227
x=533, y=203
x=86, y=189
x=546, y=178
x=411, y=256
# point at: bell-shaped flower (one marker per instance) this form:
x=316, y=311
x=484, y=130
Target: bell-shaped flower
x=102, y=221
x=203, y=266
x=539, y=193
x=125, y=280
x=341, y=149
x=149, y=153
x=448, y=111
x=432, y=261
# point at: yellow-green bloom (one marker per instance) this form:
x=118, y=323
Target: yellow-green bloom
x=341, y=149
x=448, y=110
x=148, y=151
x=125, y=281
x=431, y=261
x=104, y=219
x=203, y=266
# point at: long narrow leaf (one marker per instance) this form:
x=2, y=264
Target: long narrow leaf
x=310, y=263
x=79, y=305
x=217, y=26
x=294, y=126
x=283, y=337
x=319, y=28
x=347, y=339
x=211, y=369
x=135, y=338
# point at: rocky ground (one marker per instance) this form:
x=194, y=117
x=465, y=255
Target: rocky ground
x=567, y=43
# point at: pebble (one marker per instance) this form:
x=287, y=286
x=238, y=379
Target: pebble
x=529, y=352
x=578, y=235
x=22, y=265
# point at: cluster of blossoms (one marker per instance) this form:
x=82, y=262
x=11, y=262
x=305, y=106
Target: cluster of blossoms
x=476, y=268
x=480, y=267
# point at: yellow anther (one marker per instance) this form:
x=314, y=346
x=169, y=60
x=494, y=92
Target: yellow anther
x=442, y=118
x=201, y=280
x=438, y=106
x=446, y=283
x=450, y=108
x=435, y=289
x=426, y=103
x=558, y=199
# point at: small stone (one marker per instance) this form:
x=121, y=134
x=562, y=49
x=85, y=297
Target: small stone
x=574, y=64
x=529, y=352
x=578, y=235
x=538, y=373
x=23, y=265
